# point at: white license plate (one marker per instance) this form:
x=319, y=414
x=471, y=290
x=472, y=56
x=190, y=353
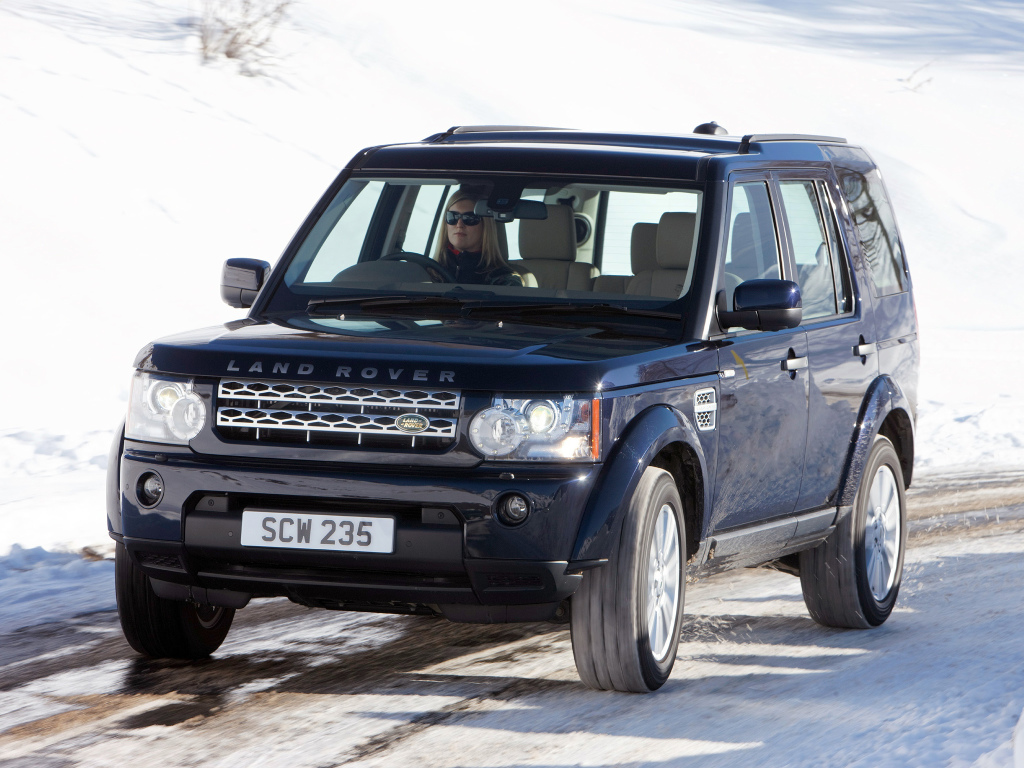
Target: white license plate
x=298, y=530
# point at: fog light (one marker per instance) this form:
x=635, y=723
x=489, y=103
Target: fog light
x=149, y=489
x=513, y=509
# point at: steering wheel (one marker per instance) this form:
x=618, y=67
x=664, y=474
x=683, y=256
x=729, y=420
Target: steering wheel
x=422, y=261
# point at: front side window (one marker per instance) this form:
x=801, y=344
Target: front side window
x=338, y=239
x=752, y=252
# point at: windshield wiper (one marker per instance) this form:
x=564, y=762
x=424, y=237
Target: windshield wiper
x=614, y=317
x=584, y=310
x=387, y=302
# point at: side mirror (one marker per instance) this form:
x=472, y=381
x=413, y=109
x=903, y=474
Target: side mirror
x=761, y=305
x=241, y=280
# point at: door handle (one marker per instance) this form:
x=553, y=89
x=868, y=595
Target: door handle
x=863, y=350
x=794, y=363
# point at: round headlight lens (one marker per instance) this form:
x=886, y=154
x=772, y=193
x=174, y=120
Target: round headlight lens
x=187, y=416
x=163, y=395
x=495, y=432
x=542, y=415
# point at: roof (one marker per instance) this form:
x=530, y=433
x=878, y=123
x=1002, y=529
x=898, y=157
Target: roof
x=558, y=151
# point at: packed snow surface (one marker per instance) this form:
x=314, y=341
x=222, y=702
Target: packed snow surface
x=756, y=683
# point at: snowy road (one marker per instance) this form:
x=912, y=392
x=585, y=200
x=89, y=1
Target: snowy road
x=756, y=683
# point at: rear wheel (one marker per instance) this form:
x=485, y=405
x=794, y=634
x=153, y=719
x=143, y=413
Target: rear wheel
x=852, y=579
x=164, y=629
x=626, y=615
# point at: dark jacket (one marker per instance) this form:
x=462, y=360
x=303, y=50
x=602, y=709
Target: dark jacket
x=467, y=270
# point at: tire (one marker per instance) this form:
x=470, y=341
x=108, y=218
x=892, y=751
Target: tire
x=164, y=629
x=626, y=615
x=852, y=579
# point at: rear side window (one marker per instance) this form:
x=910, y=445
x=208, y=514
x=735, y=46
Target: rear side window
x=811, y=252
x=753, y=249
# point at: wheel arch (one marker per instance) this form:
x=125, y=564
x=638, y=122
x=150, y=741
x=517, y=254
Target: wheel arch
x=113, y=482
x=885, y=411
x=899, y=428
x=681, y=461
x=658, y=436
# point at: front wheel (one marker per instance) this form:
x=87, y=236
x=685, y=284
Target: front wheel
x=853, y=577
x=164, y=629
x=626, y=615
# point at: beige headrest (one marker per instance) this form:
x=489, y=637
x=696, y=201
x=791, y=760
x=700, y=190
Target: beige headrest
x=675, y=239
x=551, y=238
x=643, y=247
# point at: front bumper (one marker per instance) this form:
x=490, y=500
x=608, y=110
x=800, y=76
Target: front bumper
x=451, y=553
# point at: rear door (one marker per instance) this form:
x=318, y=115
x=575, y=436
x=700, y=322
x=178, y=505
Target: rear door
x=841, y=358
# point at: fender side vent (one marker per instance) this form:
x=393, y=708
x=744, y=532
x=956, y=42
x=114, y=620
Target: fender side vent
x=705, y=409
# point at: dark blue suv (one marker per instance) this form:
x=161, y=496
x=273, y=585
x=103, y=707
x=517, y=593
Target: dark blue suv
x=521, y=374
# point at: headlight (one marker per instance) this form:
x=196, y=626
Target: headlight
x=164, y=409
x=566, y=428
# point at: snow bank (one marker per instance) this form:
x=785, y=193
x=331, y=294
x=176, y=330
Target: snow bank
x=37, y=586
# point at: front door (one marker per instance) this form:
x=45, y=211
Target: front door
x=764, y=385
x=762, y=428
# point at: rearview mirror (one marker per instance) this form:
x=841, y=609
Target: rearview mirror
x=241, y=280
x=761, y=305
x=522, y=209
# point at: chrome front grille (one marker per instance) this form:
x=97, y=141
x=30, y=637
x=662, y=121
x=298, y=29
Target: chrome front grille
x=275, y=411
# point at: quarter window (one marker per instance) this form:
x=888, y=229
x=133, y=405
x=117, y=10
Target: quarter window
x=876, y=226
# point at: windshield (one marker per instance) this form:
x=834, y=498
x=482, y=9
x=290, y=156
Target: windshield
x=533, y=244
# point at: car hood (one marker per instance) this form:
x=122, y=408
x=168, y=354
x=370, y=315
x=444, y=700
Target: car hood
x=463, y=354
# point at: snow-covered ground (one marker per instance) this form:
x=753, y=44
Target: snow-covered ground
x=756, y=683
x=130, y=171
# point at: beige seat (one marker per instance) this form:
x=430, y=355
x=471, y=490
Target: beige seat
x=642, y=258
x=548, y=248
x=673, y=249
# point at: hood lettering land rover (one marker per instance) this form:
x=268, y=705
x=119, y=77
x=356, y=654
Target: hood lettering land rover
x=367, y=373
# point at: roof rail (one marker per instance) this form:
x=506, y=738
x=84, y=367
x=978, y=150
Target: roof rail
x=437, y=137
x=696, y=142
x=691, y=142
x=758, y=138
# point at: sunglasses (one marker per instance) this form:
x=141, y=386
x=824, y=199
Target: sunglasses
x=469, y=219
